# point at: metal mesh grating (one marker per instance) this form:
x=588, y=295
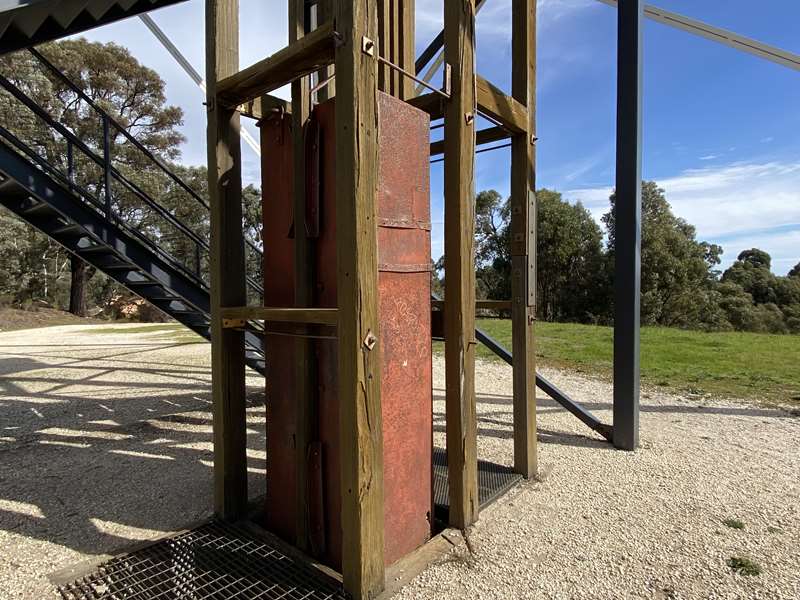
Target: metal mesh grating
x=493, y=481
x=215, y=561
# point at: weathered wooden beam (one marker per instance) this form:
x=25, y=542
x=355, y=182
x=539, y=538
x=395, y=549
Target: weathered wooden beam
x=407, y=50
x=484, y=136
x=261, y=107
x=491, y=102
x=459, y=236
x=509, y=112
x=325, y=14
x=305, y=387
x=523, y=237
x=299, y=58
x=311, y=316
x=432, y=103
x=359, y=350
x=479, y=304
x=227, y=264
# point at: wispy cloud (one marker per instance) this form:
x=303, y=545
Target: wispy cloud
x=708, y=157
x=740, y=205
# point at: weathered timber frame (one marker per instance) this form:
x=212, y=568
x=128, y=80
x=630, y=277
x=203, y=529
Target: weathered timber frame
x=368, y=47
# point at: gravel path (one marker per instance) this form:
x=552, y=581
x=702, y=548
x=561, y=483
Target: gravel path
x=106, y=439
x=649, y=524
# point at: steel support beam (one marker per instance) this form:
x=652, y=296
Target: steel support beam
x=628, y=215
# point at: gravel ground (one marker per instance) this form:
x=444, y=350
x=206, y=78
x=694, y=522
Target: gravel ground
x=106, y=440
x=608, y=524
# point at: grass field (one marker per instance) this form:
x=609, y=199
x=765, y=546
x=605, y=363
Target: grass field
x=738, y=365
x=741, y=365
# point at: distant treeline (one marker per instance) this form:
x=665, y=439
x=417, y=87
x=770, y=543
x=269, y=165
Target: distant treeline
x=681, y=284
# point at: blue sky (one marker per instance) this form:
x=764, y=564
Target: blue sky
x=721, y=128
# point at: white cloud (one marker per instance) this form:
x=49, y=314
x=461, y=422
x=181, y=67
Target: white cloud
x=741, y=205
x=708, y=157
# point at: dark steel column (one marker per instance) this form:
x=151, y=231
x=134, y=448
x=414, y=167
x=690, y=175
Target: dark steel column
x=627, y=280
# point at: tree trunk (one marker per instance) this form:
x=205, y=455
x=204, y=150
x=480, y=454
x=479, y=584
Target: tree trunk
x=81, y=273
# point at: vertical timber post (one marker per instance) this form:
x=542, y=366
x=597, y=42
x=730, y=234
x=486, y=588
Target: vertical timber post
x=406, y=35
x=304, y=384
x=627, y=279
x=459, y=247
x=325, y=14
x=359, y=348
x=523, y=238
x=227, y=264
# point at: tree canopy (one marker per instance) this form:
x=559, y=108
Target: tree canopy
x=681, y=283
x=134, y=96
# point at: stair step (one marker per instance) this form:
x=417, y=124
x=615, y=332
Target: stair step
x=96, y=249
x=70, y=230
x=39, y=209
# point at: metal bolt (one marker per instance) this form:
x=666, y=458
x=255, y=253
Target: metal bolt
x=367, y=46
x=370, y=340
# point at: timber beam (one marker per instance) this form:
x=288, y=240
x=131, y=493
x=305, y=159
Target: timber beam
x=523, y=230
x=359, y=348
x=302, y=57
x=484, y=136
x=310, y=316
x=261, y=107
x=459, y=246
x=492, y=103
x=227, y=267
x=479, y=304
x=507, y=111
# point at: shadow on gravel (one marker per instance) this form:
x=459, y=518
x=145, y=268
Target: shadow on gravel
x=113, y=448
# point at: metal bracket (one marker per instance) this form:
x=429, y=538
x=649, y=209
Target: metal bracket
x=367, y=46
x=370, y=340
x=233, y=323
x=447, y=79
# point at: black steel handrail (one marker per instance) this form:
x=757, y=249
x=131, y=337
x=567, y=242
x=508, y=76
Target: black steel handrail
x=100, y=161
x=141, y=147
x=67, y=182
x=112, y=173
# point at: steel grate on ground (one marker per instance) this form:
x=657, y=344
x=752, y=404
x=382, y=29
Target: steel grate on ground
x=493, y=481
x=217, y=561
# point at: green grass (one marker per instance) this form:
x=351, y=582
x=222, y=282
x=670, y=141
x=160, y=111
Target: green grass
x=740, y=365
x=733, y=523
x=744, y=566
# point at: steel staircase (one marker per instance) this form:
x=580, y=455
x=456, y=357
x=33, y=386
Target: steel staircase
x=100, y=217
x=26, y=23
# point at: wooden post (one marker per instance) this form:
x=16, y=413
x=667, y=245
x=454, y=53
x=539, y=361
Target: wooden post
x=325, y=14
x=227, y=264
x=357, y=279
x=523, y=238
x=407, y=50
x=305, y=369
x=459, y=245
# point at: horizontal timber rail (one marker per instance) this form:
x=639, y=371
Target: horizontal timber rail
x=479, y=304
x=492, y=103
x=232, y=317
x=260, y=107
x=310, y=53
x=484, y=136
